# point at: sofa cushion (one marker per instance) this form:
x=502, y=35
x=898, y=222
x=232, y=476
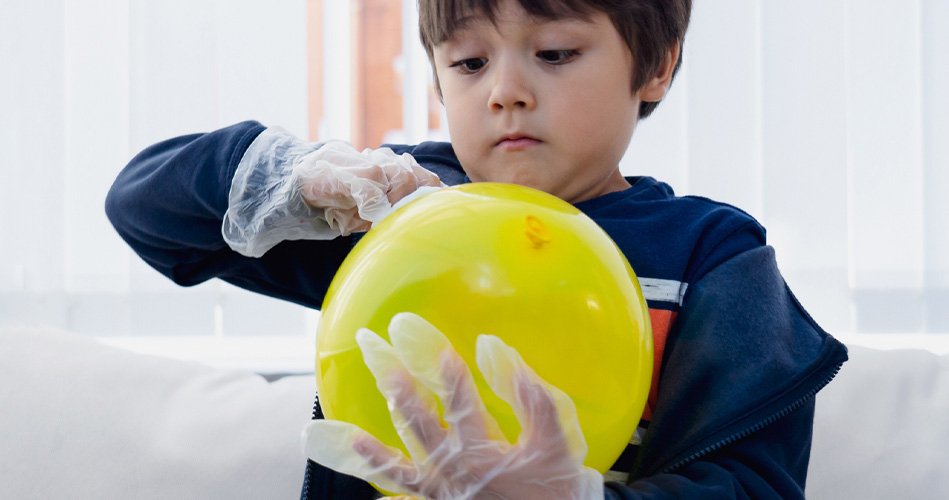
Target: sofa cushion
x=83, y=420
x=882, y=428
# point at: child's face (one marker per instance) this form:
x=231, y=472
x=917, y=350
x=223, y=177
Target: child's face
x=542, y=103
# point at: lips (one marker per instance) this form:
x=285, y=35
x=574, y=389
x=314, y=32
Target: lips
x=514, y=142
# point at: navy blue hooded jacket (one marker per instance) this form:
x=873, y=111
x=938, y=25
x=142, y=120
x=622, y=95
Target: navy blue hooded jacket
x=738, y=360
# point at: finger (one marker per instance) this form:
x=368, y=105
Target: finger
x=346, y=448
x=370, y=197
x=326, y=175
x=540, y=422
x=407, y=176
x=431, y=359
x=413, y=408
x=420, y=424
x=401, y=182
x=418, y=193
x=346, y=221
x=546, y=414
x=329, y=190
x=321, y=189
x=390, y=470
x=340, y=155
x=426, y=177
x=338, y=180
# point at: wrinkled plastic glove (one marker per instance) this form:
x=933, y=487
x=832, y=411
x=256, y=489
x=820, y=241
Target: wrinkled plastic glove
x=288, y=189
x=466, y=457
x=356, y=189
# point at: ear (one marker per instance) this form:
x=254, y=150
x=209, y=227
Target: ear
x=656, y=88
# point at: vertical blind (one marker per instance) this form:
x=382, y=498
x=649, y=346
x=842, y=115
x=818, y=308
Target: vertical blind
x=825, y=119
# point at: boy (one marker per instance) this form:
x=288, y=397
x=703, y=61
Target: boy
x=544, y=93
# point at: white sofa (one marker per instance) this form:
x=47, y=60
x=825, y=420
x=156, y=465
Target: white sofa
x=81, y=420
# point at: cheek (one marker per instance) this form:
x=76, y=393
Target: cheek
x=600, y=114
x=458, y=126
x=456, y=106
x=460, y=132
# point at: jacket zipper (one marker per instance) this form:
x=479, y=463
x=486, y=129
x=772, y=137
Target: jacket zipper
x=308, y=478
x=756, y=427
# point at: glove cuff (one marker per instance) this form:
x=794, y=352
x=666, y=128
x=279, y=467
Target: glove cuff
x=264, y=205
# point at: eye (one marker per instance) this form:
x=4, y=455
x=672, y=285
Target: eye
x=471, y=65
x=557, y=56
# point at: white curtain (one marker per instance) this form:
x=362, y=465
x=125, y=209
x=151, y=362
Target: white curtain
x=825, y=119
x=84, y=86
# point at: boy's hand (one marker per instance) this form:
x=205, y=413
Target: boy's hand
x=287, y=189
x=356, y=189
x=468, y=457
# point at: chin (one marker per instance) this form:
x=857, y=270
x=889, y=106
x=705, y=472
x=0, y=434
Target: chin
x=523, y=173
x=525, y=180
x=527, y=175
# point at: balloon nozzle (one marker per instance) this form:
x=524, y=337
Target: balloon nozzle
x=536, y=231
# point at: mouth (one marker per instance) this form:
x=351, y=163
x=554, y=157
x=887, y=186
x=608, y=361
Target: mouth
x=516, y=142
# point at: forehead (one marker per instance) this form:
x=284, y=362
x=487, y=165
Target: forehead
x=455, y=15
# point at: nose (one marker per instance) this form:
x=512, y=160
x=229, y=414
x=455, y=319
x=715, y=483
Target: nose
x=511, y=87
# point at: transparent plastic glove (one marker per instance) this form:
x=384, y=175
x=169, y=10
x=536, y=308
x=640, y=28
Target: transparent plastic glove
x=466, y=457
x=288, y=189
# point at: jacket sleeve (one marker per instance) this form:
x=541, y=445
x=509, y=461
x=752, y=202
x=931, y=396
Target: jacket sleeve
x=761, y=466
x=735, y=408
x=168, y=204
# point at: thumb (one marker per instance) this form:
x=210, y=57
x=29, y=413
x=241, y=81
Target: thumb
x=346, y=448
x=414, y=195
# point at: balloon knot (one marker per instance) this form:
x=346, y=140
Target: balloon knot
x=536, y=231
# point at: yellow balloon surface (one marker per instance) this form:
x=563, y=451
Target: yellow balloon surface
x=504, y=260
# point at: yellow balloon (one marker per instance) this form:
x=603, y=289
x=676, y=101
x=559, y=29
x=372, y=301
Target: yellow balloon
x=504, y=260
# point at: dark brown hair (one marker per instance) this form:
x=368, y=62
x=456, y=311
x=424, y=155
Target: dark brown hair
x=650, y=28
